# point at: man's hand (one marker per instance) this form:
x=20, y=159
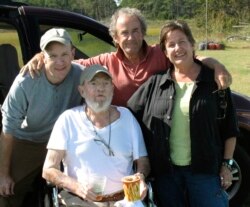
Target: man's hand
x=33, y=66
x=222, y=77
x=6, y=186
x=85, y=191
x=143, y=189
x=143, y=186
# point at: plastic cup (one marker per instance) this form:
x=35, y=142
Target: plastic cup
x=131, y=187
x=97, y=184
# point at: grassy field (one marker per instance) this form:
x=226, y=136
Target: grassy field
x=236, y=56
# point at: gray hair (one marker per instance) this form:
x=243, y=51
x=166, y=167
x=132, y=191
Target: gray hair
x=129, y=12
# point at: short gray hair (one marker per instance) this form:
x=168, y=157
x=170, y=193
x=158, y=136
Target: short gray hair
x=129, y=12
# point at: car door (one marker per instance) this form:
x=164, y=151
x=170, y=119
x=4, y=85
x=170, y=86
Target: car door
x=89, y=36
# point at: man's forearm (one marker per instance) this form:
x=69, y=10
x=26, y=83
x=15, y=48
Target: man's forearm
x=53, y=173
x=6, y=146
x=209, y=61
x=222, y=77
x=58, y=178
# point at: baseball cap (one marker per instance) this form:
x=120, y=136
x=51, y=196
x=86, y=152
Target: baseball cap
x=57, y=35
x=89, y=72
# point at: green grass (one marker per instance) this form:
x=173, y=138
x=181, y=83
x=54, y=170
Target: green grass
x=90, y=45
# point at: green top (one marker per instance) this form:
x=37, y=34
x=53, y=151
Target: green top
x=180, y=143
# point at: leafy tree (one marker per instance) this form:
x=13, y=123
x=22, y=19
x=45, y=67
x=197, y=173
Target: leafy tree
x=222, y=15
x=97, y=9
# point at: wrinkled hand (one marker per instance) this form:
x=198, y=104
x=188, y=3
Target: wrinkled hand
x=222, y=77
x=143, y=189
x=33, y=66
x=85, y=192
x=226, y=177
x=6, y=186
x=143, y=185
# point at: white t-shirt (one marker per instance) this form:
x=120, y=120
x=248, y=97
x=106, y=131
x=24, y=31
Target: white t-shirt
x=74, y=133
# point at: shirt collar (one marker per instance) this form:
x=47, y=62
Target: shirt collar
x=166, y=78
x=206, y=74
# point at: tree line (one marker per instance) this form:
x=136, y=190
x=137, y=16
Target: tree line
x=97, y=9
x=221, y=15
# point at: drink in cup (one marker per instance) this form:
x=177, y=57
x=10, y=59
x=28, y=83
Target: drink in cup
x=131, y=187
x=97, y=184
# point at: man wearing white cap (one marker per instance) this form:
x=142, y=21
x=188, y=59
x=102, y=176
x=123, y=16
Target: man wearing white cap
x=29, y=113
x=95, y=138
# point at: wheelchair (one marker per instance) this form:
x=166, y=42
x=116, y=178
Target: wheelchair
x=51, y=198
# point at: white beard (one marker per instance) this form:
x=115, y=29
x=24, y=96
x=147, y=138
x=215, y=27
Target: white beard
x=99, y=107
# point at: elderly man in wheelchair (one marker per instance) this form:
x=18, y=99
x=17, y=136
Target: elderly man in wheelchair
x=95, y=138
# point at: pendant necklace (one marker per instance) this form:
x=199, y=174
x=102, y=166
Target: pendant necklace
x=100, y=139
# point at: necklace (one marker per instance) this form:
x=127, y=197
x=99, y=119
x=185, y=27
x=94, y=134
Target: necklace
x=101, y=140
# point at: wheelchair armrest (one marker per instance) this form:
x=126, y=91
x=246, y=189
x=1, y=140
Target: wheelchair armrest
x=150, y=200
x=53, y=190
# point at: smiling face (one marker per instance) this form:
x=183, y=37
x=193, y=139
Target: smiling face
x=98, y=92
x=57, y=61
x=129, y=35
x=178, y=48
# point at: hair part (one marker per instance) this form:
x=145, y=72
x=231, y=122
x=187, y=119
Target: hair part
x=175, y=25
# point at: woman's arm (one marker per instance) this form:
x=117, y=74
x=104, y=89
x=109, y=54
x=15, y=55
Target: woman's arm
x=225, y=171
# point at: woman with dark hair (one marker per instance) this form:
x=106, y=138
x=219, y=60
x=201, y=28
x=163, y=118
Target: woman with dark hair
x=189, y=125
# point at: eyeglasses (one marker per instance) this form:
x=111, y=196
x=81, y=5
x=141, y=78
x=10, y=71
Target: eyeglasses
x=222, y=103
x=106, y=148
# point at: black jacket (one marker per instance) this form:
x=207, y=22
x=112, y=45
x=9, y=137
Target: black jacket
x=153, y=104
